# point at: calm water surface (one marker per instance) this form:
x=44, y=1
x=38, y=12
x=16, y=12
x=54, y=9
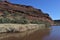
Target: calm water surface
x=54, y=34
x=47, y=34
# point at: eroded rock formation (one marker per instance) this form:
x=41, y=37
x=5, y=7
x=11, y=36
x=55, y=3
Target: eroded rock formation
x=16, y=11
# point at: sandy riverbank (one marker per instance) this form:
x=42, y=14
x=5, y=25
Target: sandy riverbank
x=4, y=28
x=18, y=31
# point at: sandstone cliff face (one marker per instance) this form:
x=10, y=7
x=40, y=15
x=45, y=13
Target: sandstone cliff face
x=16, y=11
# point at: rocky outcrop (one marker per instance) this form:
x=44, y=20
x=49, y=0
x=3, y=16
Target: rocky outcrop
x=16, y=11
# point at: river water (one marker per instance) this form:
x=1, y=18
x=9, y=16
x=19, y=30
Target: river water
x=46, y=34
x=54, y=34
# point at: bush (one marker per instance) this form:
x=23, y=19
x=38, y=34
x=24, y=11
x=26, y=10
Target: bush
x=22, y=21
x=5, y=20
x=5, y=13
x=36, y=22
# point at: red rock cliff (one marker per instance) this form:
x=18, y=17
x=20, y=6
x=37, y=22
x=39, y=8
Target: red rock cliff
x=29, y=12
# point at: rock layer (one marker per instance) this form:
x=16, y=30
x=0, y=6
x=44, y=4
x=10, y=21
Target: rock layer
x=17, y=11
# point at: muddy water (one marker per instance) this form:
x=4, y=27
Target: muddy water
x=46, y=34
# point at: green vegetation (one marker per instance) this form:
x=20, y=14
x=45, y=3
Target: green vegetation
x=6, y=13
x=22, y=21
x=4, y=20
x=7, y=20
x=47, y=24
x=36, y=22
x=19, y=18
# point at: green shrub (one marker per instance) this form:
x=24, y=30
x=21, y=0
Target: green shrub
x=6, y=13
x=22, y=21
x=5, y=20
x=36, y=22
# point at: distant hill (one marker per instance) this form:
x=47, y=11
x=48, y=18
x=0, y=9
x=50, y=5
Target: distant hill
x=57, y=22
x=17, y=13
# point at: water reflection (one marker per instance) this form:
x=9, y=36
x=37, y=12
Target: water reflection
x=31, y=35
x=38, y=35
x=46, y=34
x=54, y=34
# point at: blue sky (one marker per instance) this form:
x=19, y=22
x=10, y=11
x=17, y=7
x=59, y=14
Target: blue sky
x=52, y=7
